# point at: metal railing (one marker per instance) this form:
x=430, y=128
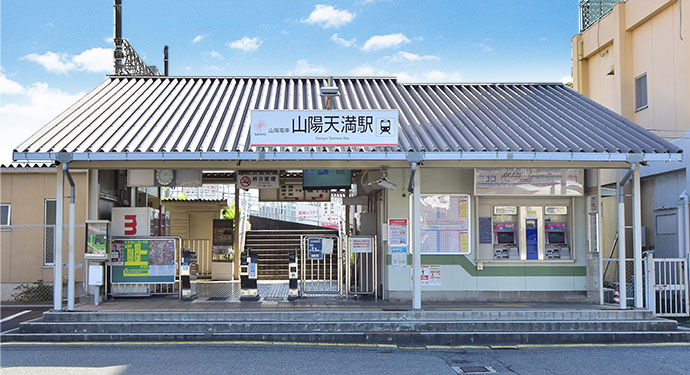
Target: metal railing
x=321, y=275
x=204, y=254
x=667, y=286
x=362, y=275
x=592, y=11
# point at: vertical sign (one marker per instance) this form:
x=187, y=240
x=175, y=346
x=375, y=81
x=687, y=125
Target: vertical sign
x=397, y=232
x=398, y=257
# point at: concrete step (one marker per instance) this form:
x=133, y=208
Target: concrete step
x=347, y=326
x=396, y=338
x=350, y=315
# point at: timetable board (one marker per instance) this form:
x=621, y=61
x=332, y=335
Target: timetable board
x=445, y=223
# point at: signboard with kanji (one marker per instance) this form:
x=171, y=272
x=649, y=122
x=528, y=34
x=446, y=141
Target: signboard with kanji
x=324, y=128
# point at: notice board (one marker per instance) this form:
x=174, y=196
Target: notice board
x=143, y=260
x=445, y=223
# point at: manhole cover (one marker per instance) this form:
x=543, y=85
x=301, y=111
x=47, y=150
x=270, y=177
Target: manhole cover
x=474, y=369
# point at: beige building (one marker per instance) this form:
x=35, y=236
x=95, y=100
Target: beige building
x=635, y=60
x=27, y=197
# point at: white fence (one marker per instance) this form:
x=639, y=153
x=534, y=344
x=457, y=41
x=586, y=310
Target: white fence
x=667, y=286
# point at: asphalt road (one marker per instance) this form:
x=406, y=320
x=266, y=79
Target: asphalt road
x=283, y=359
x=9, y=322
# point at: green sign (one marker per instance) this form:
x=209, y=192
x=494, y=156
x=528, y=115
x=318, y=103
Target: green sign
x=146, y=260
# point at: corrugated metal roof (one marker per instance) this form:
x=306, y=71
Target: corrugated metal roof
x=211, y=114
x=25, y=166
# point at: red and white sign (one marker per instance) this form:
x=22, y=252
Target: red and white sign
x=397, y=232
x=134, y=221
x=257, y=180
x=361, y=245
x=324, y=128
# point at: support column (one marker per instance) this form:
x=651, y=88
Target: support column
x=71, y=239
x=621, y=247
x=236, y=238
x=637, y=237
x=57, y=238
x=94, y=194
x=416, y=239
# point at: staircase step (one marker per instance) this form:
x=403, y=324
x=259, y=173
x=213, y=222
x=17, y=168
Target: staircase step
x=396, y=338
x=347, y=326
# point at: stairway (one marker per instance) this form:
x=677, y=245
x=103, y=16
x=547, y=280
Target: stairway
x=273, y=248
x=426, y=327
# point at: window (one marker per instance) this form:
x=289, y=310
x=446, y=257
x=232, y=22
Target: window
x=5, y=214
x=49, y=232
x=641, y=92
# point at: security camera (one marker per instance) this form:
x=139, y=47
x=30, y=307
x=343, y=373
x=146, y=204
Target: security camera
x=384, y=183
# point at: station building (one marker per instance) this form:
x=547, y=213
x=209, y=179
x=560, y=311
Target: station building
x=469, y=191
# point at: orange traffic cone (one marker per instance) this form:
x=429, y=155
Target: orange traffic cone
x=616, y=297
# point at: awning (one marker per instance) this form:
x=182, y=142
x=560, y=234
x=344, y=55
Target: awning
x=207, y=118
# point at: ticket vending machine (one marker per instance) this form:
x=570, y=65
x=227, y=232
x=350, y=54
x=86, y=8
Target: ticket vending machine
x=505, y=241
x=556, y=241
x=532, y=239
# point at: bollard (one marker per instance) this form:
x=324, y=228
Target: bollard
x=292, y=275
x=248, y=276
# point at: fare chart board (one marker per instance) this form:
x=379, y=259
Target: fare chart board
x=445, y=223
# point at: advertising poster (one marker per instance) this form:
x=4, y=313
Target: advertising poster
x=430, y=275
x=445, y=223
x=398, y=257
x=143, y=260
x=397, y=232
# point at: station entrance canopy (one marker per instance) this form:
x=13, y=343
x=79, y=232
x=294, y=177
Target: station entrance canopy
x=200, y=120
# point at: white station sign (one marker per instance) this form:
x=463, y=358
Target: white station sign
x=324, y=128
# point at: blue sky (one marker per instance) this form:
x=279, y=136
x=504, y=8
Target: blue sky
x=52, y=52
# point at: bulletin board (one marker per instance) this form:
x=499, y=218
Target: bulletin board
x=445, y=224
x=142, y=260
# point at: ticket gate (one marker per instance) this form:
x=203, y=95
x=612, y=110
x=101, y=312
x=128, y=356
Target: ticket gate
x=321, y=266
x=248, y=276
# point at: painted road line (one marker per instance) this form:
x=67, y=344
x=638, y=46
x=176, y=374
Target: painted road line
x=8, y=318
x=316, y=344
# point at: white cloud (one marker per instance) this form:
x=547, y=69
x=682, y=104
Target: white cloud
x=566, y=80
x=543, y=39
x=246, y=44
x=368, y=70
x=404, y=56
x=342, y=41
x=484, y=46
x=303, y=68
x=10, y=87
x=28, y=112
x=327, y=16
x=198, y=38
x=94, y=60
x=215, y=54
x=379, y=42
x=439, y=76
x=52, y=62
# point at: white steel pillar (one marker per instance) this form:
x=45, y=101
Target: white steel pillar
x=57, y=238
x=71, y=244
x=621, y=248
x=416, y=239
x=93, y=194
x=637, y=237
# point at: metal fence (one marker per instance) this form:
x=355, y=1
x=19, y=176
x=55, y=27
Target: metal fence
x=668, y=290
x=204, y=254
x=592, y=11
x=27, y=253
x=611, y=279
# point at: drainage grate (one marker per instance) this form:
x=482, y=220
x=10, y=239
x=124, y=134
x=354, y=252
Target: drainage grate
x=474, y=369
x=217, y=299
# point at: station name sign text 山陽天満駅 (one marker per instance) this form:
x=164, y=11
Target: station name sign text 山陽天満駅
x=324, y=128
